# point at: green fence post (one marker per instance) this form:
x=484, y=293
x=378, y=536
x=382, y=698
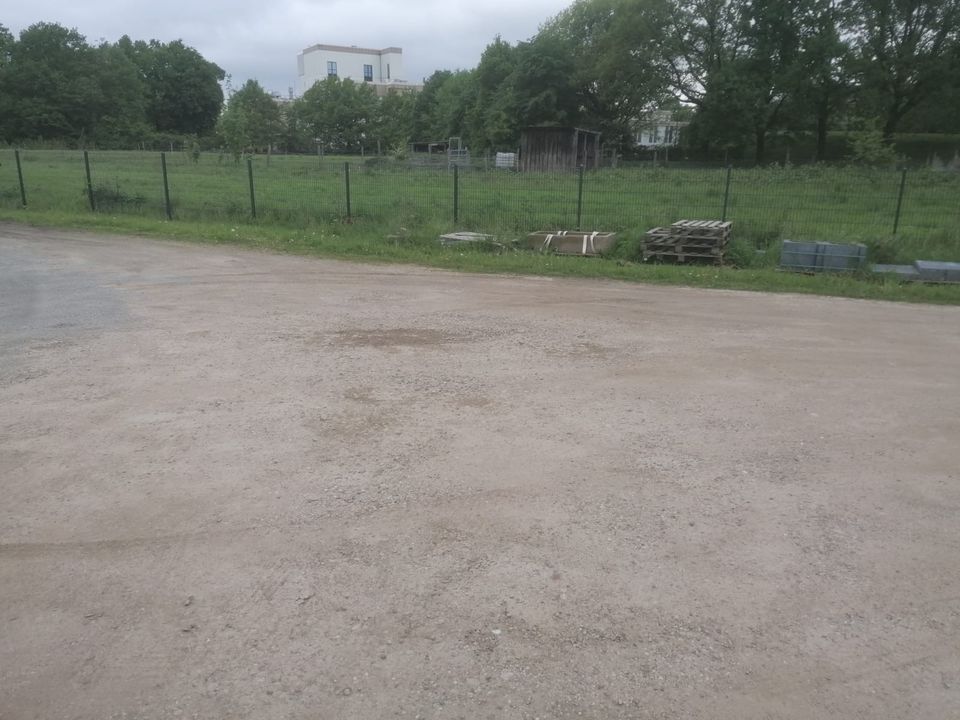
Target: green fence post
x=23, y=190
x=86, y=164
x=166, y=186
x=726, y=193
x=903, y=186
x=253, y=200
x=346, y=180
x=456, y=194
x=579, y=194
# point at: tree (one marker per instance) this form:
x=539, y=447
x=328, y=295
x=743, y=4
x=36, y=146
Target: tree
x=6, y=97
x=769, y=66
x=118, y=100
x=251, y=121
x=740, y=56
x=543, y=86
x=906, y=50
x=490, y=121
x=393, y=122
x=183, y=93
x=619, y=68
x=340, y=114
x=704, y=37
x=295, y=136
x=823, y=83
x=6, y=45
x=49, y=78
x=723, y=120
x=453, y=100
x=425, y=107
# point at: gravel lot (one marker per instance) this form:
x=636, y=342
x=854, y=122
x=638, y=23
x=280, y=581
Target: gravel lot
x=244, y=485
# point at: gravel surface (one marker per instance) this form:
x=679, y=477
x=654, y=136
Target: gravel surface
x=245, y=485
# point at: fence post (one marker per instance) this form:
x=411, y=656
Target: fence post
x=23, y=190
x=456, y=194
x=726, y=193
x=346, y=180
x=579, y=194
x=253, y=200
x=903, y=185
x=86, y=164
x=166, y=186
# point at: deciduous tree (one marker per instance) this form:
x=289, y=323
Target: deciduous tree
x=339, y=114
x=252, y=120
x=907, y=50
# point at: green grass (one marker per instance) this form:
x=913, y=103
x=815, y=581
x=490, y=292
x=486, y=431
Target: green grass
x=301, y=208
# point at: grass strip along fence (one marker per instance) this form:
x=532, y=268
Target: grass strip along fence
x=901, y=215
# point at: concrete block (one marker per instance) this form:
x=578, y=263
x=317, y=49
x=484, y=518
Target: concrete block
x=902, y=272
x=822, y=256
x=935, y=271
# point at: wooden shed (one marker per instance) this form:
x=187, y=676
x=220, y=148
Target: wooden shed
x=546, y=149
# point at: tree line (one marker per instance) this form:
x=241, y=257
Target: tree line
x=743, y=72
x=56, y=87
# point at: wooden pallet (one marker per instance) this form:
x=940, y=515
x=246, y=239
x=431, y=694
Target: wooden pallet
x=688, y=239
x=682, y=256
x=701, y=228
x=687, y=249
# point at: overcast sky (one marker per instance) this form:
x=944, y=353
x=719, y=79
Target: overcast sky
x=260, y=39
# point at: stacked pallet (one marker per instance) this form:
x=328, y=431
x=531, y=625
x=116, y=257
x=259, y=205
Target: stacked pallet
x=687, y=239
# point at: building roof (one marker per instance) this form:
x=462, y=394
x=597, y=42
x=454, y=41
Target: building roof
x=355, y=49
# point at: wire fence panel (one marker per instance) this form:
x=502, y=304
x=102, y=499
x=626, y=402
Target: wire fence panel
x=53, y=179
x=507, y=200
x=840, y=204
x=849, y=204
x=643, y=198
x=127, y=182
x=210, y=187
x=298, y=189
x=9, y=185
x=931, y=205
x=401, y=196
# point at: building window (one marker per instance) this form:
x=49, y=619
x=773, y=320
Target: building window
x=388, y=71
x=368, y=73
x=331, y=69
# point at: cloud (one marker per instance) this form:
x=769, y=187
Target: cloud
x=261, y=40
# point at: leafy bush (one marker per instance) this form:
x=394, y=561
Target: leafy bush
x=107, y=197
x=870, y=148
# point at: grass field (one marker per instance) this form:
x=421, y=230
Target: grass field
x=301, y=205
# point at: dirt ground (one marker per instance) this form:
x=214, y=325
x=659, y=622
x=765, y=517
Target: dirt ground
x=243, y=485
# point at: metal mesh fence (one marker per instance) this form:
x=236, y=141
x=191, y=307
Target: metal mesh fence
x=126, y=182
x=213, y=187
x=854, y=203
x=499, y=199
x=804, y=202
x=293, y=188
x=400, y=195
x=9, y=186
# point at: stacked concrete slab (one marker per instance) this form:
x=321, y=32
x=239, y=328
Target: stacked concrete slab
x=931, y=271
x=935, y=271
x=822, y=256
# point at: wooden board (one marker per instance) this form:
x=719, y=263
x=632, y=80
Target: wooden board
x=682, y=256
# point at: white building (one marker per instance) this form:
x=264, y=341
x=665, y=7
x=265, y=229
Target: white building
x=381, y=68
x=659, y=129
